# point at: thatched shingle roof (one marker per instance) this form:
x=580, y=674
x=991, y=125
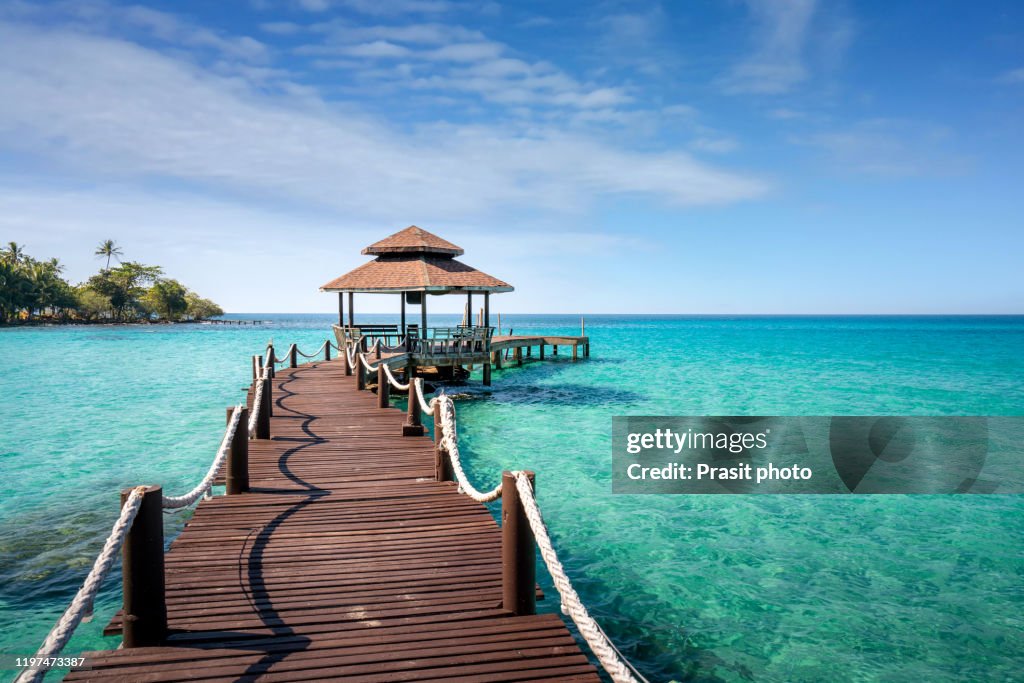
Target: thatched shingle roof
x=414, y=260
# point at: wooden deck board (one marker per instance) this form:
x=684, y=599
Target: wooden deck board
x=345, y=561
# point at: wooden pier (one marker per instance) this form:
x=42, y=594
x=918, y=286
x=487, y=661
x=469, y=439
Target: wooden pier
x=346, y=558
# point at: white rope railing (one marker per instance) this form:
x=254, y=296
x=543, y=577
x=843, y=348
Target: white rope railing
x=315, y=354
x=81, y=604
x=611, y=659
x=257, y=403
x=424, y=405
x=367, y=364
x=617, y=666
x=394, y=382
x=450, y=441
x=173, y=502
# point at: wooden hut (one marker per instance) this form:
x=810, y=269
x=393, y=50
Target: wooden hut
x=414, y=263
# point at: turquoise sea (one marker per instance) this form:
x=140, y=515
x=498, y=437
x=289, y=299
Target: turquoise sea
x=702, y=588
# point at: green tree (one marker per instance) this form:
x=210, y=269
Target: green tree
x=90, y=304
x=200, y=308
x=108, y=249
x=125, y=286
x=167, y=298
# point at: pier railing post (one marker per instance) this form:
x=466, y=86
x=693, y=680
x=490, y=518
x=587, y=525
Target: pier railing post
x=344, y=359
x=327, y=350
x=236, y=474
x=414, y=417
x=293, y=356
x=360, y=373
x=442, y=466
x=257, y=363
x=271, y=360
x=142, y=556
x=383, y=387
x=518, y=551
x=263, y=421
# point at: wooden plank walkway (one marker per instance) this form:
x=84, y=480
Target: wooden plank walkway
x=346, y=560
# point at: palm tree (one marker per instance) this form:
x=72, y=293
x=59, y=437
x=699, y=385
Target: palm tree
x=14, y=253
x=109, y=248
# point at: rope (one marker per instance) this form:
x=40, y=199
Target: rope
x=315, y=354
x=603, y=648
x=82, y=603
x=203, y=486
x=394, y=382
x=450, y=441
x=424, y=406
x=366, y=363
x=350, y=352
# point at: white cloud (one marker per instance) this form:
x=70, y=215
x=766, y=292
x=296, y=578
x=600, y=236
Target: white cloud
x=777, y=63
x=1012, y=76
x=377, y=49
x=108, y=108
x=889, y=148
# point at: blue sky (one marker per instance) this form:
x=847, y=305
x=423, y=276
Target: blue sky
x=688, y=157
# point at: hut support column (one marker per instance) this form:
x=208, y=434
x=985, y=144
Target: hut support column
x=487, y=309
x=341, y=309
x=469, y=309
x=351, y=310
x=401, y=328
x=542, y=351
x=423, y=316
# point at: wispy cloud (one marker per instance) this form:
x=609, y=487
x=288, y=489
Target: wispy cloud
x=112, y=108
x=1013, y=76
x=889, y=148
x=776, y=65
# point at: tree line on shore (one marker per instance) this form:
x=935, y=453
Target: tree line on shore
x=34, y=290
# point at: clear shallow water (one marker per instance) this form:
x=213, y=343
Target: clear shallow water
x=731, y=588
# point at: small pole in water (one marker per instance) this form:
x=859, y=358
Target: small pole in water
x=583, y=327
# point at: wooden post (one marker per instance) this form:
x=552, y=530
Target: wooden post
x=517, y=355
x=529, y=351
x=442, y=465
x=469, y=308
x=518, y=550
x=341, y=309
x=360, y=372
x=351, y=310
x=236, y=474
x=344, y=359
x=383, y=387
x=542, y=351
x=414, y=414
x=554, y=349
x=583, y=327
x=327, y=350
x=574, y=346
x=586, y=350
x=293, y=356
x=142, y=557
x=263, y=420
x=257, y=363
x=487, y=374
x=271, y=359
x=499, y=359
x=377, y=351
x=498, y=331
